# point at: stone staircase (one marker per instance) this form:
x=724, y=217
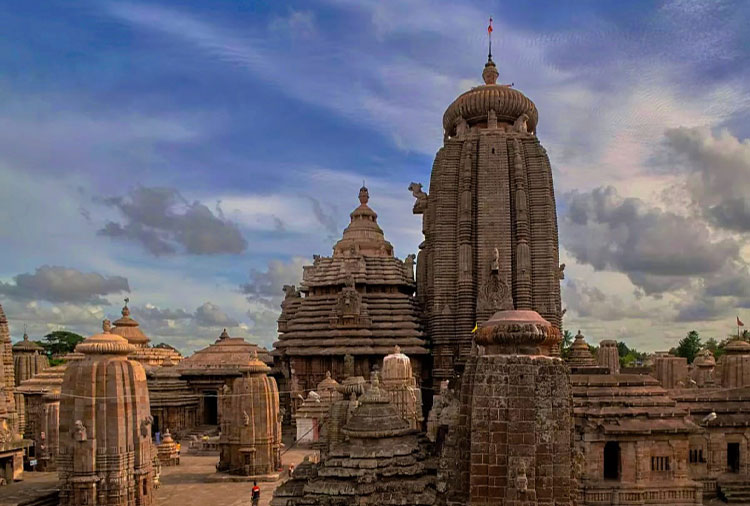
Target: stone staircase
x=735, y=492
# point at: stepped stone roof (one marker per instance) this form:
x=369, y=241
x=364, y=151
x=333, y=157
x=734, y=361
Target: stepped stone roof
x=376, y=416
x=627, y=404
x=167, y=388
x=731, y=405
x=128, y=328
x=26, y=345
x=49, y=381
x=228, y=355
x=360, y=301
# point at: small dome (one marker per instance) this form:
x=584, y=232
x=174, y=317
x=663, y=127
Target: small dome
x=475, y=104
x=328, y=383
x=580, y=355
x=396, y=366
x=738, y=346
x=518, y=331
x=105, y=343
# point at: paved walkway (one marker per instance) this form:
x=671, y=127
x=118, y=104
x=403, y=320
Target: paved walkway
x=187, y=485
x=34, y=485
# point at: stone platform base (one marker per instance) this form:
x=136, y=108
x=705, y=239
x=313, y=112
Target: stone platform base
x=223, y=477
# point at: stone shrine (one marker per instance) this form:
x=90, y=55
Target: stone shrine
x=42, y=400
x=489, y=222
x=174, y=405
x=250, y=441
x=28, y=359
x=511, y=444
x=359, y=301
x=148, y=356
x=106, y=453
x=399, y=382
x=631, y=440
x=209, y=369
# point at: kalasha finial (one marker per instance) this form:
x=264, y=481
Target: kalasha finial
x=490, y=73
x=25, y=335
x=364, y=195
x=125, y=308
x=396, y=350
x=106, y=326
x=224, y=334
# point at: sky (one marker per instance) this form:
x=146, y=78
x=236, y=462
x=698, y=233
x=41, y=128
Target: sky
x=193, y=156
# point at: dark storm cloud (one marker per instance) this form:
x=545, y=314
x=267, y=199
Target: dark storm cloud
x=211, y=315
x=700, y=309
x=658, y=250
x=62, y=284
x=160, y=218
x=717, y=168
x=588, y=301
x=326, y=217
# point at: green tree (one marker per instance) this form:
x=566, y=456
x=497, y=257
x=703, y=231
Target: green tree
x=60, y=342
x=689, y=346
x=622, y=349
x=567, y=342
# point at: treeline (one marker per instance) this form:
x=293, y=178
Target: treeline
x=688, y=347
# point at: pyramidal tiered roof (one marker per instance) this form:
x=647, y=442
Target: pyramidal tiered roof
x=128, y=328
x=228, y=355
x=358, y=301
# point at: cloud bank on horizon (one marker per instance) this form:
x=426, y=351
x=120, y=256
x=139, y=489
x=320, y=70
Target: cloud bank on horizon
x=194, y=158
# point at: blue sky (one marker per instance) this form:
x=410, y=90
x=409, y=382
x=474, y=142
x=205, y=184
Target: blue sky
x=194, y=156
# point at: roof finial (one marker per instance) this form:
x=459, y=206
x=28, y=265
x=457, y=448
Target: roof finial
x=25, y=335
x=364, y=195
x=106, y=326
x=489, y=74
x=489, y=36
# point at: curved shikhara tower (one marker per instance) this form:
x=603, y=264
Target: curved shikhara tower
x=489, y=221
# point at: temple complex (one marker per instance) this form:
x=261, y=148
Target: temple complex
x=148, y=356
x=250, y=441
x=359, y=302
x=28, y=359
x=42, y=402
x=608, y=356
x=106, y=451
x=489, y=222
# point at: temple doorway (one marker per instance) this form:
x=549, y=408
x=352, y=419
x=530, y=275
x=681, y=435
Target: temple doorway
x=612, y=461
x=210, y=407
x=733, y=457
x=155, y=427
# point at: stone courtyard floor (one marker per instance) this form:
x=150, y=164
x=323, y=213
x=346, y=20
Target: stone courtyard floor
x=188, y=485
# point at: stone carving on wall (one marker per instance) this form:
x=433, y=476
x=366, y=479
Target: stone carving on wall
x=349, y=310
x=520, y=125
x=348, y=366
x=79, y=431
x=420, y=206
x=495, y=294
x=522, y=482
x=492, y=119
x=409, y=266
x=146, y=426
x=560, y=274
x=245, y=418
x=290, y=291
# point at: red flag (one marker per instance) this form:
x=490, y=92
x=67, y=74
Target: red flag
x=739, y=322
x=489, y=28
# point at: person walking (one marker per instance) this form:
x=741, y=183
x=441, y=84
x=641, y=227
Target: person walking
x=255, y=494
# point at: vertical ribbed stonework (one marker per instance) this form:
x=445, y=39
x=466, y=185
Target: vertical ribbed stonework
x=106, y=453
x=9, y=382
x=489, y=222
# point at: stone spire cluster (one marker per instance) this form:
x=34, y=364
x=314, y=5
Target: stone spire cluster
x=489, y=221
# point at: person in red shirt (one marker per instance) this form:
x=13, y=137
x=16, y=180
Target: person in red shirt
x=255, y=494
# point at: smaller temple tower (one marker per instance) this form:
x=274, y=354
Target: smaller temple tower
x=28, y=359
x=609, y=356
x=400, y=384
x=513, y=436
x=106, y=452
x=250, y=442
x=735, y=364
